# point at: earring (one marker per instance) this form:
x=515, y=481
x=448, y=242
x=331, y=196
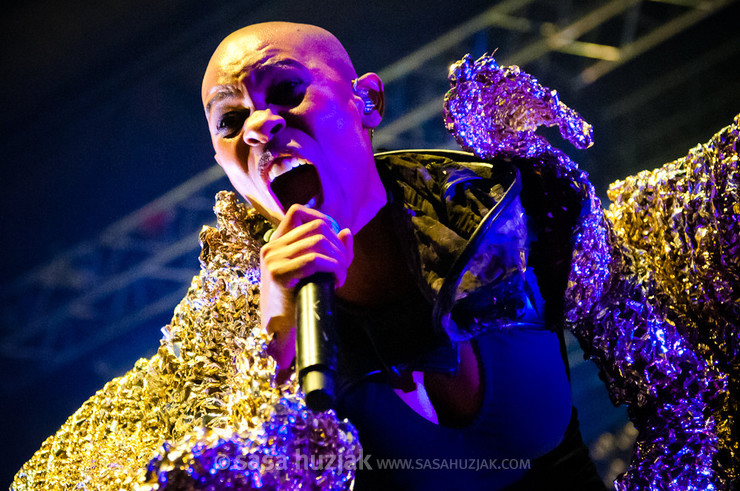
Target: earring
x=369, y=104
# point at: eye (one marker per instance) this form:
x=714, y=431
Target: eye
x=230, y=122
x=286, y=93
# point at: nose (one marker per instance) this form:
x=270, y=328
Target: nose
x=262, y=126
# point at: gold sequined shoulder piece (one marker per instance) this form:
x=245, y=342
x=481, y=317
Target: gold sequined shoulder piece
x=210, y=371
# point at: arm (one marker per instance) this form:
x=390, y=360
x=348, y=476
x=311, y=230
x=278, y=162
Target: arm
x=303, y=244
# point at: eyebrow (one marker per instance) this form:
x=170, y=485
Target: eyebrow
x=261, y=66
x=222, y=93
x=270, y=62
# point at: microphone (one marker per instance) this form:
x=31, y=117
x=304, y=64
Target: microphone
x=316, y=347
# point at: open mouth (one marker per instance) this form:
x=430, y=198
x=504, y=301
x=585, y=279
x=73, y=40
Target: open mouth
x=297, y=185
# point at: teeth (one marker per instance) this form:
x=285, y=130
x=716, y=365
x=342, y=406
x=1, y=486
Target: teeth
x=282, y=166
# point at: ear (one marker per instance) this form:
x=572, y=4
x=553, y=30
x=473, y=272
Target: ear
x=369, y=87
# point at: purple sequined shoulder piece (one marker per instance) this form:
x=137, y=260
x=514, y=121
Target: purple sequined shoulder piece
x=671, y=360
x=493, y=110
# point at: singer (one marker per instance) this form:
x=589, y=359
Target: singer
x=448, y=279
x=291, y=123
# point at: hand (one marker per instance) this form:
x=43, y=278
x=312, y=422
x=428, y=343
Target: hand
x=303, y=244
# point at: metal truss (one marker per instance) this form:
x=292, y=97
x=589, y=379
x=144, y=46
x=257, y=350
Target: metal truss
x=140, y=267
x=598, y=37
x=136, y=269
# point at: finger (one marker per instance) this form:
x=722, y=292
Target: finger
x=303, y=251
x=314, y=227
x=300, y=242
x=298, y=215
x=312, y=237
x=291, y=271
x=347, y=239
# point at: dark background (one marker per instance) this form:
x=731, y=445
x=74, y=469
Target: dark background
x=101, y=114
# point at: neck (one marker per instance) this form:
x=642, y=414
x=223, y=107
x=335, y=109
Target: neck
x=375, y=200
x=378, y=273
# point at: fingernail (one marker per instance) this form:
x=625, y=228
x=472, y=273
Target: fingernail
x=334, y=224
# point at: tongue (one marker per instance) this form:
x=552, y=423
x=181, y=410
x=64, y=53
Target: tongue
x=296, y=186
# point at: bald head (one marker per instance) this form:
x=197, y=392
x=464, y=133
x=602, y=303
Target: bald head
x=313, y=46
x=281, y=96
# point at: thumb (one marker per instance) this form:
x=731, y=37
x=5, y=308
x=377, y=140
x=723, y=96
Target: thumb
x=347, y=239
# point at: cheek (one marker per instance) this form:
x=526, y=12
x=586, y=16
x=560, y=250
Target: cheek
x=232, y=154
x=234, y=160
x=337, y=118
x=327, y=116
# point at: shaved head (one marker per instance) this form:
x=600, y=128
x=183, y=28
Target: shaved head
x=290, y=122
x=309, y=43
